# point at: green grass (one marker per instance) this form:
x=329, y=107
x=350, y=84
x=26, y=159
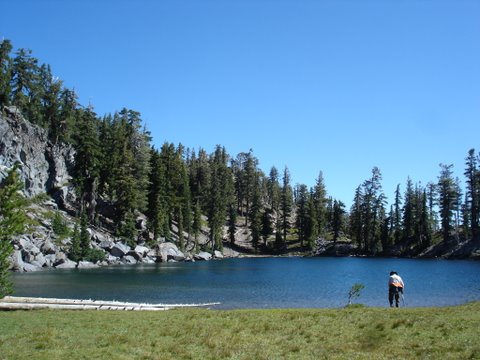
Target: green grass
x=350, y=333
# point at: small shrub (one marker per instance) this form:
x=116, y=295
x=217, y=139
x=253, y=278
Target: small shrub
x=95, y=255
x=59, y=225
x=40, y=198
x=354, y=292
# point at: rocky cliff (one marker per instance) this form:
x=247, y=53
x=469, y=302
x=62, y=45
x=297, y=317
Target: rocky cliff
x=44, y=167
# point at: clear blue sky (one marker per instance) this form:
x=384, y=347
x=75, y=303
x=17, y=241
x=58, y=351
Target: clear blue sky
x=333, y=86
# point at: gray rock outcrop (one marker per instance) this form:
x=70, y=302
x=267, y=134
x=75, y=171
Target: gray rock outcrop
x=120, y=250
x=86, y=265
x=44, y=167
x=169, y=251
x=67, y=264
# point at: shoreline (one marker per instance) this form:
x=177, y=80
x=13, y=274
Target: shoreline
x=14, y=303
x=245, y=256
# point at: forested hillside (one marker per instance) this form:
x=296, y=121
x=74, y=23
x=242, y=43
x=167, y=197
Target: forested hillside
x=118, y=173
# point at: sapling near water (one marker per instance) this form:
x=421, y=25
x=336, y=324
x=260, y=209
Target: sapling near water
x=354, y=292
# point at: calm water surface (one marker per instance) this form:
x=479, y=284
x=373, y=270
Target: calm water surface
x=263, y=282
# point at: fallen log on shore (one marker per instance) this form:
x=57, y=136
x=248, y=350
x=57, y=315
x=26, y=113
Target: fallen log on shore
x=32, y=303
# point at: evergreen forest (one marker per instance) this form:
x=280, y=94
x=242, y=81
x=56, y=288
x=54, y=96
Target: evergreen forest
x=118, y=173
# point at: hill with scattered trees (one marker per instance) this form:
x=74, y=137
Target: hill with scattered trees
x=203, y=200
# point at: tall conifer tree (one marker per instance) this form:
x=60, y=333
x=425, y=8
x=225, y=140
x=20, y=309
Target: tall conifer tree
x=5, y=72
x=87, y=159
x=286, y=204
x=12, y=222
x=447, y=199
x=472, y=201
x=338, y=219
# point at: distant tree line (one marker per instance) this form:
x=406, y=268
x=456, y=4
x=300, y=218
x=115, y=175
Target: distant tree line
x=118, y=173
x=423, y=215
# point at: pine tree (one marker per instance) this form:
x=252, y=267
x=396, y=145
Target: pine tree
x=237, y=166
x=356, y=218
x=472, y=200
x=87, y=159
x=244, y=168
x=154, y=211
x=221, y=186
x=5, y=72
x=396, y=217
x=431, y=192
x=408, y=210
x=457, y=207
x=267, y=228
x=232, y=222
x=273, y=194
x=199, y=172
x=26, y=90
x=447, y=199
x=302, y=213
x=138, y=144
x=184, y=200
x=51, y=101
x=12, y=222
x=465, y=214
x=369, y=213
x=84, y=237
x=417, y=213
x=127, y=230
x=249, y=181
x=124, y=184
x=386, y=231
x=286, y=202
x=320, y=200
x=196, y=223
x=426, y=230
x=75, y=252
x=68, y=115
x=255, y=213
x=273, y=189
x=311, y=226
x=338, y=219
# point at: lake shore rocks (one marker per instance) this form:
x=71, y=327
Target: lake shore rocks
x=41, y=248
x=203, y=255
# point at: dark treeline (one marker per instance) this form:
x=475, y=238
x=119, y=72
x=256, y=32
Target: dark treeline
x=421, y=216
x=118, y=174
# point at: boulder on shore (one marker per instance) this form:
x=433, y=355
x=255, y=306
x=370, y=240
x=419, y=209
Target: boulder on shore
x=139, y=252
x=120, y=250
x=49, y=248
x=128, y=259
x=203, y=255
x=17, y=261
x=30, y=267
x=67, y=264
x=169, y=251
x=86, y=265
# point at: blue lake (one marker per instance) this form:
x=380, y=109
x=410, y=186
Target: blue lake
x=263, y=282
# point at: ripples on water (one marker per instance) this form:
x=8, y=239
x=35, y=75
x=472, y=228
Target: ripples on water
x=263, y=282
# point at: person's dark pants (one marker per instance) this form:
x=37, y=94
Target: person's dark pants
x=394, y=293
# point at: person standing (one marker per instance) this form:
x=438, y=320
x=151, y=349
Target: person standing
x=395, y=287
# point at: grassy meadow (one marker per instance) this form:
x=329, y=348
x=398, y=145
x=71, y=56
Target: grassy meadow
x=347, y=333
